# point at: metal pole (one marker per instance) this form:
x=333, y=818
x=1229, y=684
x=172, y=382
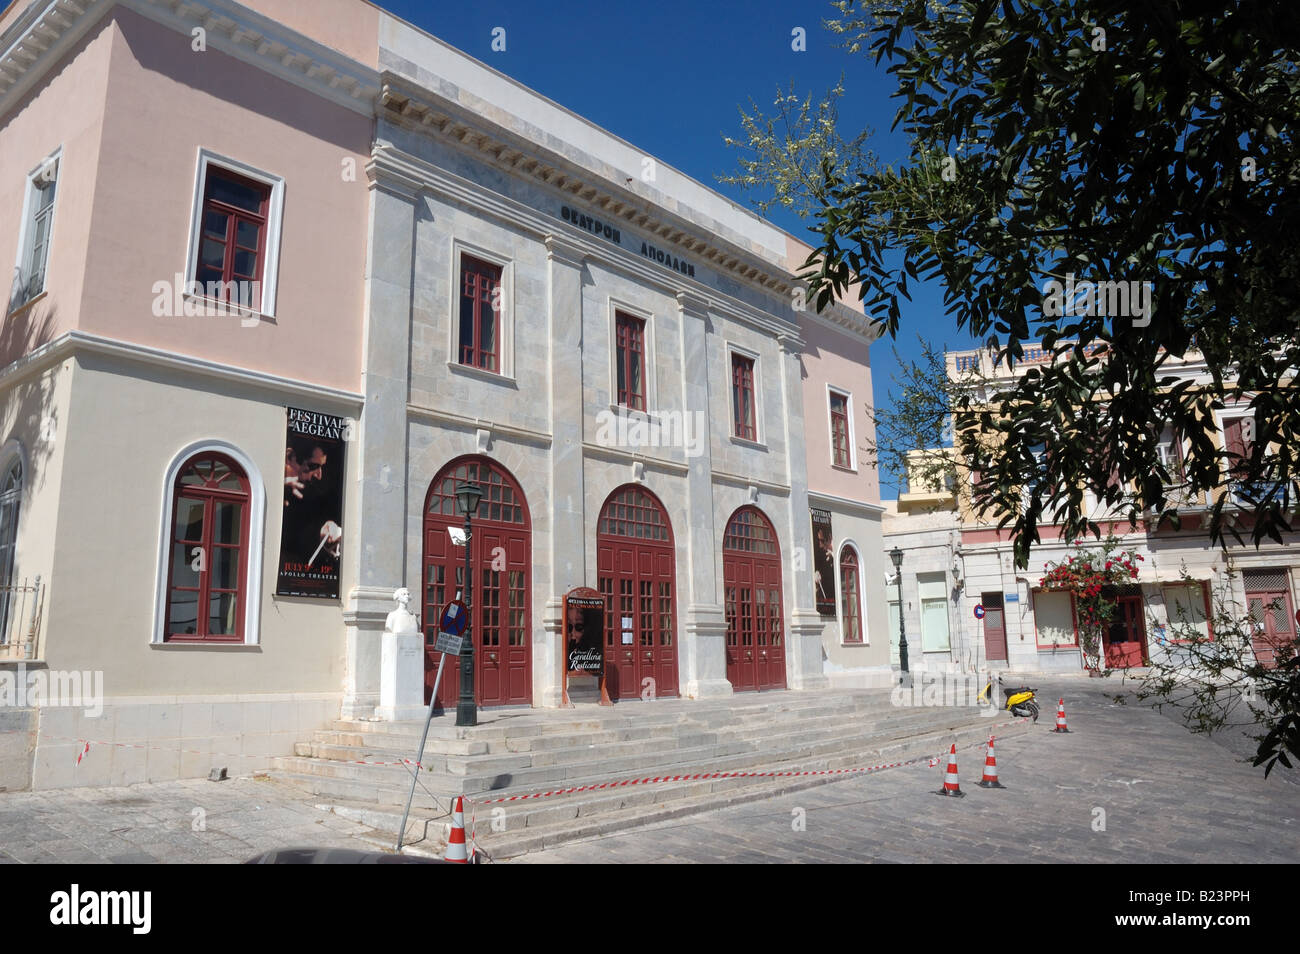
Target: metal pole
x=466, y=707
x=902, y=636
x=419, y=756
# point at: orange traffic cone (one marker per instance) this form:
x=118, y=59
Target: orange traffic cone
x=951, y=784
x=456, y=840
x=1060, y=717
x=990, y=779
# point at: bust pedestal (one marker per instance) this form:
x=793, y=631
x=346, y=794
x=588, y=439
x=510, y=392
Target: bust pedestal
x=401, y=668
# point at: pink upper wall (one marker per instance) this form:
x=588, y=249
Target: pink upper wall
x=349, y=26
x=164, y=103
x=841, y=361
x=64, y=110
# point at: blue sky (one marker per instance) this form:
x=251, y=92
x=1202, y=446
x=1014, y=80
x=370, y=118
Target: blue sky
x=669, y=77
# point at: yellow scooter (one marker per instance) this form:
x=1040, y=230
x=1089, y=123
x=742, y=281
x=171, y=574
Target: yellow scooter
x=1020, y=701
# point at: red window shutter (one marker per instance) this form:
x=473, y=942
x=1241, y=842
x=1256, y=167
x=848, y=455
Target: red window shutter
x=630, y=336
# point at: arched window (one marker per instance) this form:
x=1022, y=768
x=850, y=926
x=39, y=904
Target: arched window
x=11, y=491
x=850, y=596
x=208, y=551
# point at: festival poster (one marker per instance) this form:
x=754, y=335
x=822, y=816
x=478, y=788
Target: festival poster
x=823, y=562
x=311, y=529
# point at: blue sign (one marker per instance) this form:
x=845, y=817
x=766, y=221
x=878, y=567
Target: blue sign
x=454, y=618
x=1011, y=597
x=979, y=610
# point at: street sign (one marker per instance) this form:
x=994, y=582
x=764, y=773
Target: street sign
x=979, y=610
x=454, y=618
x=448, y=644
x=1011, y=597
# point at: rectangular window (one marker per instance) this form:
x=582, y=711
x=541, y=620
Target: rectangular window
x=742, y=397
x=630, y=357
x=1054, y=619
x=933, y=588
x=233, y=230
x=840, y=430
x=34, y=250
x=480, y=306
x=1185, y=608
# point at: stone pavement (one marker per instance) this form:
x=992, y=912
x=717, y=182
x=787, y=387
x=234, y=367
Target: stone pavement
x=1163, y=794
x=186, y=822
x=1167, y=795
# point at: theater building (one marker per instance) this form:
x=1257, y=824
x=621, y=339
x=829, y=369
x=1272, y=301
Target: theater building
x=387, y=268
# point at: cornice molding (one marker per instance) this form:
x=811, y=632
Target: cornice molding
x=412, y=107
x=76, y=343
x=413, y=174
x=47, y=31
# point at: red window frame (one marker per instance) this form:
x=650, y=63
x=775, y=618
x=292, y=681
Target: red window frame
x=840, y=429
x=631, y=369
x=229, y=237
x=850, y=581
x=479, y=284
x=213, y=470
x=742, y=396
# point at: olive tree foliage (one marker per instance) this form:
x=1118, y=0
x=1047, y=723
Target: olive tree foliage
x=1082, y=141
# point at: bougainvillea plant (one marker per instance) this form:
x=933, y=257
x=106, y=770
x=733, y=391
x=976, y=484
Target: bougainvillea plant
x=1091, y=577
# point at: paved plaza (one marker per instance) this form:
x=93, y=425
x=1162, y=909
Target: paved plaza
x=1126, y=785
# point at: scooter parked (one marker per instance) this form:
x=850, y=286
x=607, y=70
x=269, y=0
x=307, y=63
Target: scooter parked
x=1020, y=700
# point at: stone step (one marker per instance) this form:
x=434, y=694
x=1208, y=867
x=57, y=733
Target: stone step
x=536, y=824
x=516, y=773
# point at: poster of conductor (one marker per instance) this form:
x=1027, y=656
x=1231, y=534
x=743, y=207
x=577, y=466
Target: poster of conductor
x=823, y=562
x=311, y=529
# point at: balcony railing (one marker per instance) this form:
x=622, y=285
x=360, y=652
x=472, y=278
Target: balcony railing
x=21, y=608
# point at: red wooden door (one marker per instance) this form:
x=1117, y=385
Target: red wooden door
x=1271, y=623
x=499, y=597
x=1126, y=639
x=995, y=629
x=636, y=573
x=751, y=580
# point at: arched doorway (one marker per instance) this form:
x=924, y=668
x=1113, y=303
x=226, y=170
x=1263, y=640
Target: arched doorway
x=499, y=599
x=751, y=579
x=636, y=573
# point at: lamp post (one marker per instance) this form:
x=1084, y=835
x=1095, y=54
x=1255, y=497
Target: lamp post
x=897, y=556
x=468, y=496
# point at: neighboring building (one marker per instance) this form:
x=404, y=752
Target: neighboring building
x=1027, y=628
x=436, y=274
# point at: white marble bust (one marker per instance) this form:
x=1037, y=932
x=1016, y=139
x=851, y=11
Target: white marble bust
x=401, y=620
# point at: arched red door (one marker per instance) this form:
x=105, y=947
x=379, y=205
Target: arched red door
x=636, y=573
x=499, y=599
x=751, y=579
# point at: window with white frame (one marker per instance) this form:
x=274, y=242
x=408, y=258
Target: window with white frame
x=841, y=429
x=481, y=329
x=934, y=611
x=234, y=248
x=209, y=579
x=34, y=240
x=744, y=395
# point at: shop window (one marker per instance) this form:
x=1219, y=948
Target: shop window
x=480, y=313
x=1186, y=608
x=934, y=612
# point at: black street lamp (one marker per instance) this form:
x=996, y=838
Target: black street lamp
x=897, y=556
x=468, y=496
